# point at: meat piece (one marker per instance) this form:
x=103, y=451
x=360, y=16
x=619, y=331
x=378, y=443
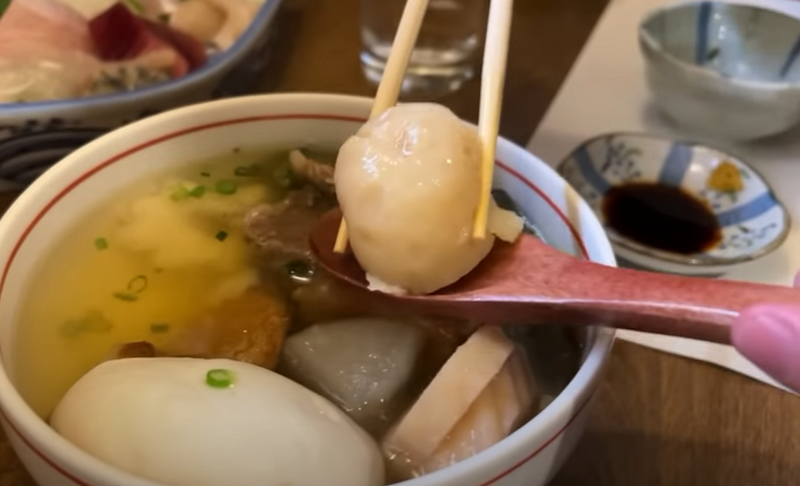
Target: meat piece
x=281, y=230
x=362, y=365
x=136, y=349
x=317, y=173
x=326, y=299
x=249, y=328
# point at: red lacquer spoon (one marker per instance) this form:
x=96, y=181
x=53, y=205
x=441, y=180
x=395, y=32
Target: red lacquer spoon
x=530, y=282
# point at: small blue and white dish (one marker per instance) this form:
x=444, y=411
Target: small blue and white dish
x=34, y=136
x=723, y=70
x=750, y=220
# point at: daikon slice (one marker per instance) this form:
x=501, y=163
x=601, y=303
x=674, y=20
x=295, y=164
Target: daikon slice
x=498, y=411
x=363, y=365
x=450, y=395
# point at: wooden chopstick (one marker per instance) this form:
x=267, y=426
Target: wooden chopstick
x=493, y=76
x=392, y=79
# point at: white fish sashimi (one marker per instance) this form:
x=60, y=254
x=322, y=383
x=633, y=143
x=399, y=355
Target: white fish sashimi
x=238, y=16
x=232, y=18
x=42, y=27
x=25, y=80
x=46, y=52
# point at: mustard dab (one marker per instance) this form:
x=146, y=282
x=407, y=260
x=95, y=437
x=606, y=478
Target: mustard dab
x=725, y=178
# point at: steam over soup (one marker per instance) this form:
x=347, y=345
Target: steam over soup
x=191, y=301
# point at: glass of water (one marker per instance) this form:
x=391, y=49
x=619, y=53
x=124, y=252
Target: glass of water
x=446, y=51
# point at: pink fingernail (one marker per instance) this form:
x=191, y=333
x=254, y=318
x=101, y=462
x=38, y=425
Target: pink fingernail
x=769, y=336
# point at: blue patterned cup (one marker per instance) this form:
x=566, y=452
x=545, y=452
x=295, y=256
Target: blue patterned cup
x=752, y=219
x=723, y=70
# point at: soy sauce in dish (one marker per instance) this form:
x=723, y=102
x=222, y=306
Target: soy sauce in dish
x=663, y=217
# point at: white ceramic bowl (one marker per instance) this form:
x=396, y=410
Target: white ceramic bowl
x=754, y=222
x=723, y=70
x=94, y=173
x=33, y=136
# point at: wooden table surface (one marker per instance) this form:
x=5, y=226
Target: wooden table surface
x=657, y=419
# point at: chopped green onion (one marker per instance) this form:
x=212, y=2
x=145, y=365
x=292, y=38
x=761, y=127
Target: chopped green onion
x=126, y=296
x=93, y=321
x=226, y=186
x=221, y=235
x=247, y=171
x=198, y=192
x=205, y=174
x=159, y=327
x=219, y=378
x=101, y=244
x=3, y=6
x=179, y=193
x=138, y=284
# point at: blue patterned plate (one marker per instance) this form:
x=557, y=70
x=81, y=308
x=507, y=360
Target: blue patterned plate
x=753, y=220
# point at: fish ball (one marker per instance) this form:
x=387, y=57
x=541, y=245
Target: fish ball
x=409, y=184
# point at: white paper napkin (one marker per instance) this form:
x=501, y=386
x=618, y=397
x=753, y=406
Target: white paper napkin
x=606, y=92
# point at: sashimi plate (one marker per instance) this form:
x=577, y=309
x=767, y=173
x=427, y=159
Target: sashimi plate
x=36, y=135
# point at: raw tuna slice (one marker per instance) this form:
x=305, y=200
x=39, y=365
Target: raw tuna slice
x=120, y=35
x=42, y=28
x=46, y=52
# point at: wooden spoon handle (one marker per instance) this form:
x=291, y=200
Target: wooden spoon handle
x=690, y=307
